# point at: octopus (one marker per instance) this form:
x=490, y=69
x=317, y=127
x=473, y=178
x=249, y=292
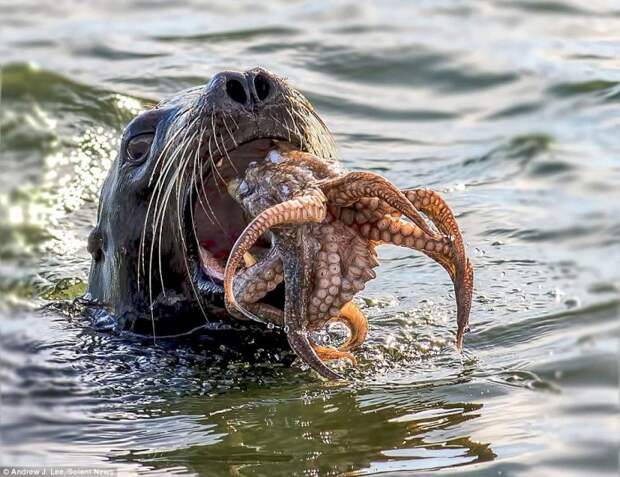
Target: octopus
x=322, y=226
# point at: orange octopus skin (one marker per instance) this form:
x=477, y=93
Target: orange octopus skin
x=334, y=221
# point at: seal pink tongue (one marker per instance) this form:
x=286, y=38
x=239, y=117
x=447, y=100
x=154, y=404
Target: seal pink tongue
x=218, y=222
x=212, y=266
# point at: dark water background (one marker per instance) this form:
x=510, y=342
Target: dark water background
x=510, y=109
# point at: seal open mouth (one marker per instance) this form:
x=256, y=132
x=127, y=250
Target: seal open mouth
x=218, y=220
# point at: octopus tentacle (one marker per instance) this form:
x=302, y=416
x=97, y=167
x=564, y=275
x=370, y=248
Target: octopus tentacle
x=448, y=251
x=353, y=318
x=343, y=265
x=330, y=256
x=268, y=312
x=300, y=343
x=463, y=302
x=346, y=190
x=393, y=230
x=433, y=205
x=321, y=168
x=253, y=283
x=356, y=321
x=296, y=211
x=326, y=353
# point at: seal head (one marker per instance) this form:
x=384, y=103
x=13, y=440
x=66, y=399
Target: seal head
x=164, y=209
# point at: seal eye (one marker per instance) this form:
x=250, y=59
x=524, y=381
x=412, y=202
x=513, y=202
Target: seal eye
x=138, y=147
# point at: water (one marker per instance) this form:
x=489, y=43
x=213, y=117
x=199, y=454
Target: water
x=510, y=109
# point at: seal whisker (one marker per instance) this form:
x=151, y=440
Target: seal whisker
x=217, y=171
x=167, y=144
x=194, y=291
x=281, y=124
x=179, y=183
x=306, y=127
x=299, y=135
x=288, y=129
x=314, y=138
x=158, y=212
x=166, y=200
x=234, y=121
x=210, y=214
x=222, y=154
x=204, y=191
x=324, y=135
x=156, y=191
x=228, y=157
x=215, y=134
x=164, y=152
x=232, y=137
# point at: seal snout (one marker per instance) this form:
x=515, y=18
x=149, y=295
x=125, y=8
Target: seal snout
x=247, y=90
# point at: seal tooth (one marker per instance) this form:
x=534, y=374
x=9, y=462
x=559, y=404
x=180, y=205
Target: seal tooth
x=249, y=259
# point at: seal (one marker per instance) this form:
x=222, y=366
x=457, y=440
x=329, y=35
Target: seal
x=163, y=210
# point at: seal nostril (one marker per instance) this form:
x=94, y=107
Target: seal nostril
x=236, y=91
x=262, y=87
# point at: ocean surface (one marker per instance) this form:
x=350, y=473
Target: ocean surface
x=510, y=109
